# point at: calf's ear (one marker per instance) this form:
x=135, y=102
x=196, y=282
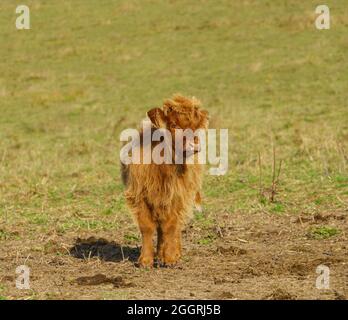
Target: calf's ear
x=157, y=117
x=205, y=114
x=204, y=118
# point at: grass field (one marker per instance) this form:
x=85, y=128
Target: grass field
x=88, y=69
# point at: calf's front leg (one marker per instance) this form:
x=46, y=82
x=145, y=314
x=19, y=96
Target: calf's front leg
x=169, y=241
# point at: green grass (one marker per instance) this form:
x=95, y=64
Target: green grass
x=206, y=241
x=323, y=232
x=131, y=238
x=2, y=288
x=6, y=235
x=278, y=208
x=88, y=69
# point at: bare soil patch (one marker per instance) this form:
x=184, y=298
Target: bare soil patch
x=257, y=256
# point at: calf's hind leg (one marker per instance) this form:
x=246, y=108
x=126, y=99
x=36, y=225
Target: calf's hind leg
x=147, y=228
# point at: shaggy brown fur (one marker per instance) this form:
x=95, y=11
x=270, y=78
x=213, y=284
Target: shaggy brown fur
x=162, y=197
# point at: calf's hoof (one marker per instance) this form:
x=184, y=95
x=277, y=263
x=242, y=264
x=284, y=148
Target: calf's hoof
x=167, y=260
x=145, y=261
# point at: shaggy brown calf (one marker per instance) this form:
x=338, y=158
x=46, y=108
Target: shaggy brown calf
x=162, y=196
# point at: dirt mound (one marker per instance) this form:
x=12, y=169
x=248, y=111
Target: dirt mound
x=98, y=279
x=279, y=294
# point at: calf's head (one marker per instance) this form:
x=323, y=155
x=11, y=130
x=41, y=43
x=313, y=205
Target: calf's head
x=177, y=115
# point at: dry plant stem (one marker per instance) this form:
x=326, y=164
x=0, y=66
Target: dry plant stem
x=275, y=176
x=260, y=177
